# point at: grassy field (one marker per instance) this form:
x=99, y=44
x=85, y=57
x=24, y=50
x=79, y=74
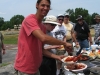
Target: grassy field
x=12, y=39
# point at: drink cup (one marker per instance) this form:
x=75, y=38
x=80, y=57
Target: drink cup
x=93, y=47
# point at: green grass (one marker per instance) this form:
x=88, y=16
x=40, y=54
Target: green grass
x=10, y=39
x=4, y=64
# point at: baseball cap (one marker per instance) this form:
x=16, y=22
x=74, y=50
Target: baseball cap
x=97, y=17
x=66, y=14
x=51, y=19
x=60, y=15
x=79, y=17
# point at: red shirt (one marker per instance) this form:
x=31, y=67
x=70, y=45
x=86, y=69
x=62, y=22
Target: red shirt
x=29, y=55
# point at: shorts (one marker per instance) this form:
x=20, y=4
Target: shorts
x=48, y=66
x=60, y=52
x=21, y=73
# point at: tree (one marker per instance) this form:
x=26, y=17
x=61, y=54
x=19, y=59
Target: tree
x=16, y=20
x=6, y=25
x=92, y=18
x=83, y=12
x=1, y=22
x=72, y=14
x=88, y=18
x=78, y=11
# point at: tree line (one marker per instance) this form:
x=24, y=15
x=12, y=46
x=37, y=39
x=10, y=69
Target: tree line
x=17, y=19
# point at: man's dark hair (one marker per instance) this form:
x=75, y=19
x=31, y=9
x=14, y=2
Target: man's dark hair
x=38, y=1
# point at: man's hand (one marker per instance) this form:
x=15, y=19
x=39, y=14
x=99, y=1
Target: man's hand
x=3, y=52
x=60, y=57
x=68, y=47
x=99, y=38
x=91, y=42
x=77, y=43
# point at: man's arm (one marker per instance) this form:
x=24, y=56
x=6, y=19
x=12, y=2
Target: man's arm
x=3, y=49
x=90, y=39
x=73, y=36
x=48, y=47
x=65, y=38
x=48, y=39
x=51, y=55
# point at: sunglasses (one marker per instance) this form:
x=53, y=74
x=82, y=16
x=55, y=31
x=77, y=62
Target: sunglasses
x=60, y=19
x=79, y=19
x=66, y=16
x=53, y=24
x=97, y=19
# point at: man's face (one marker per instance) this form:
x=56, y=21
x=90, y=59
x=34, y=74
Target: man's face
x=49, y=26
x=80, y=21
x=43, y=7
x=66, y=18
x=97, y=20
x=60, y=20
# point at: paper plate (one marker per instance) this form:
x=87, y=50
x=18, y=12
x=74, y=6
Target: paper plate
x=77, y=70
x=67, y=62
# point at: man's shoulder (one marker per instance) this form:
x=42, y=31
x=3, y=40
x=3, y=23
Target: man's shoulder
x=30, y=20
x=30, y=17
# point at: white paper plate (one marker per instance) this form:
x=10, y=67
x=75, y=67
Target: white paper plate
x=77, y=70
x=68, y=62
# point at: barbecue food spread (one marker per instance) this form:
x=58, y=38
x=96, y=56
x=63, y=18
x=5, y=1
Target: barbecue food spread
x=75, y=66
x=98, y=53
x=92, y=54
x=71, y=59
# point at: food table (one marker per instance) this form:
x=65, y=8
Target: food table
x=93, y=67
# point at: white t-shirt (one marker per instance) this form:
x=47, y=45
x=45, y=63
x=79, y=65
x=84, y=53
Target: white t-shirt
x=46, y=45
x=59, y=32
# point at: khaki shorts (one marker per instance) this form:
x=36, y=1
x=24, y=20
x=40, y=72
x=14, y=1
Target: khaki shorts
x=21, y=73
x=60, y=52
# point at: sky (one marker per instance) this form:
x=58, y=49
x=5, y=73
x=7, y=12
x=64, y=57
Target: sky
x=9, y=8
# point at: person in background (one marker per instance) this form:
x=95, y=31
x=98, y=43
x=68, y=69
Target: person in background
x=59, y=32
x=2, y=48
x=82, y=33
x=32, y=37
x=48, y=66
x=70, y=36
x=97, y=30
